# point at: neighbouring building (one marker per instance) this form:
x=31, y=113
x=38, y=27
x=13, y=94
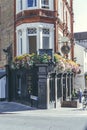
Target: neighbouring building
x=81, y=38
x=7, y=22
x=6, y=39
x=81, y=58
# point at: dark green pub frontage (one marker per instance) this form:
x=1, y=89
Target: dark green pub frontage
x=39, y=86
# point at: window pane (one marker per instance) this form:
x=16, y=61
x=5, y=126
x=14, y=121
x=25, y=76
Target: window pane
x=20, y=4
x=20, y=43
x=32, y=31
x=45, y=31
x=45, y=4
x=32, y=44
x=32, y=3
x=45, y=42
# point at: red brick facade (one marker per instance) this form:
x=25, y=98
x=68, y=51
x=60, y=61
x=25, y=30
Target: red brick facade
x=47, y=16
x=9, y=20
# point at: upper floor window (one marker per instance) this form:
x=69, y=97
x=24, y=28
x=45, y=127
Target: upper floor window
x=32, y=3
x=20, y=5
x=45, y=4
x=60, y=10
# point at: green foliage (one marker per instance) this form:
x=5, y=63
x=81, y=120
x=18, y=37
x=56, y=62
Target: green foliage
x=25, y=61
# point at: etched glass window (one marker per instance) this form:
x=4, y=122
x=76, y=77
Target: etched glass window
x=32, y=31
x=45, y=31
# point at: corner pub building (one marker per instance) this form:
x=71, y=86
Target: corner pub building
x=41, y=24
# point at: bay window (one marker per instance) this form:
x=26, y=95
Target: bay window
x=34, y=36
x=34, y=4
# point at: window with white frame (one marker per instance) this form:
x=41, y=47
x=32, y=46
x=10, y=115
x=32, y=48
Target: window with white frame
x=20, y=48
x=45, y=4
x=45, y=38
x=32, y=40
x=31, y=3
x=19, y=5
x=60, y=10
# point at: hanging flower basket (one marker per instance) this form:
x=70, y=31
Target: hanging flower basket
x=66, y=65
x=61, y=64
x=27, y=60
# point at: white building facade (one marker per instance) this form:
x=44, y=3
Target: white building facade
x=81, y=58
x=34, y=36
x=81, y=54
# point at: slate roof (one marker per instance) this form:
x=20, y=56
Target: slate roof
x=81, y=39
x=80, y=36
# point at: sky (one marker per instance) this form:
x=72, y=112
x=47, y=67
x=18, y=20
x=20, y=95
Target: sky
x=80, y=15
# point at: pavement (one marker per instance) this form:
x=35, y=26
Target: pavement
x=14, y=107
x=6, y=106
x=16, y=116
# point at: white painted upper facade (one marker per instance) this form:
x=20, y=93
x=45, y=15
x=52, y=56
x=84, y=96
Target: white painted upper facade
x=42, y=34
x=34, y=4
x=81, y=58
